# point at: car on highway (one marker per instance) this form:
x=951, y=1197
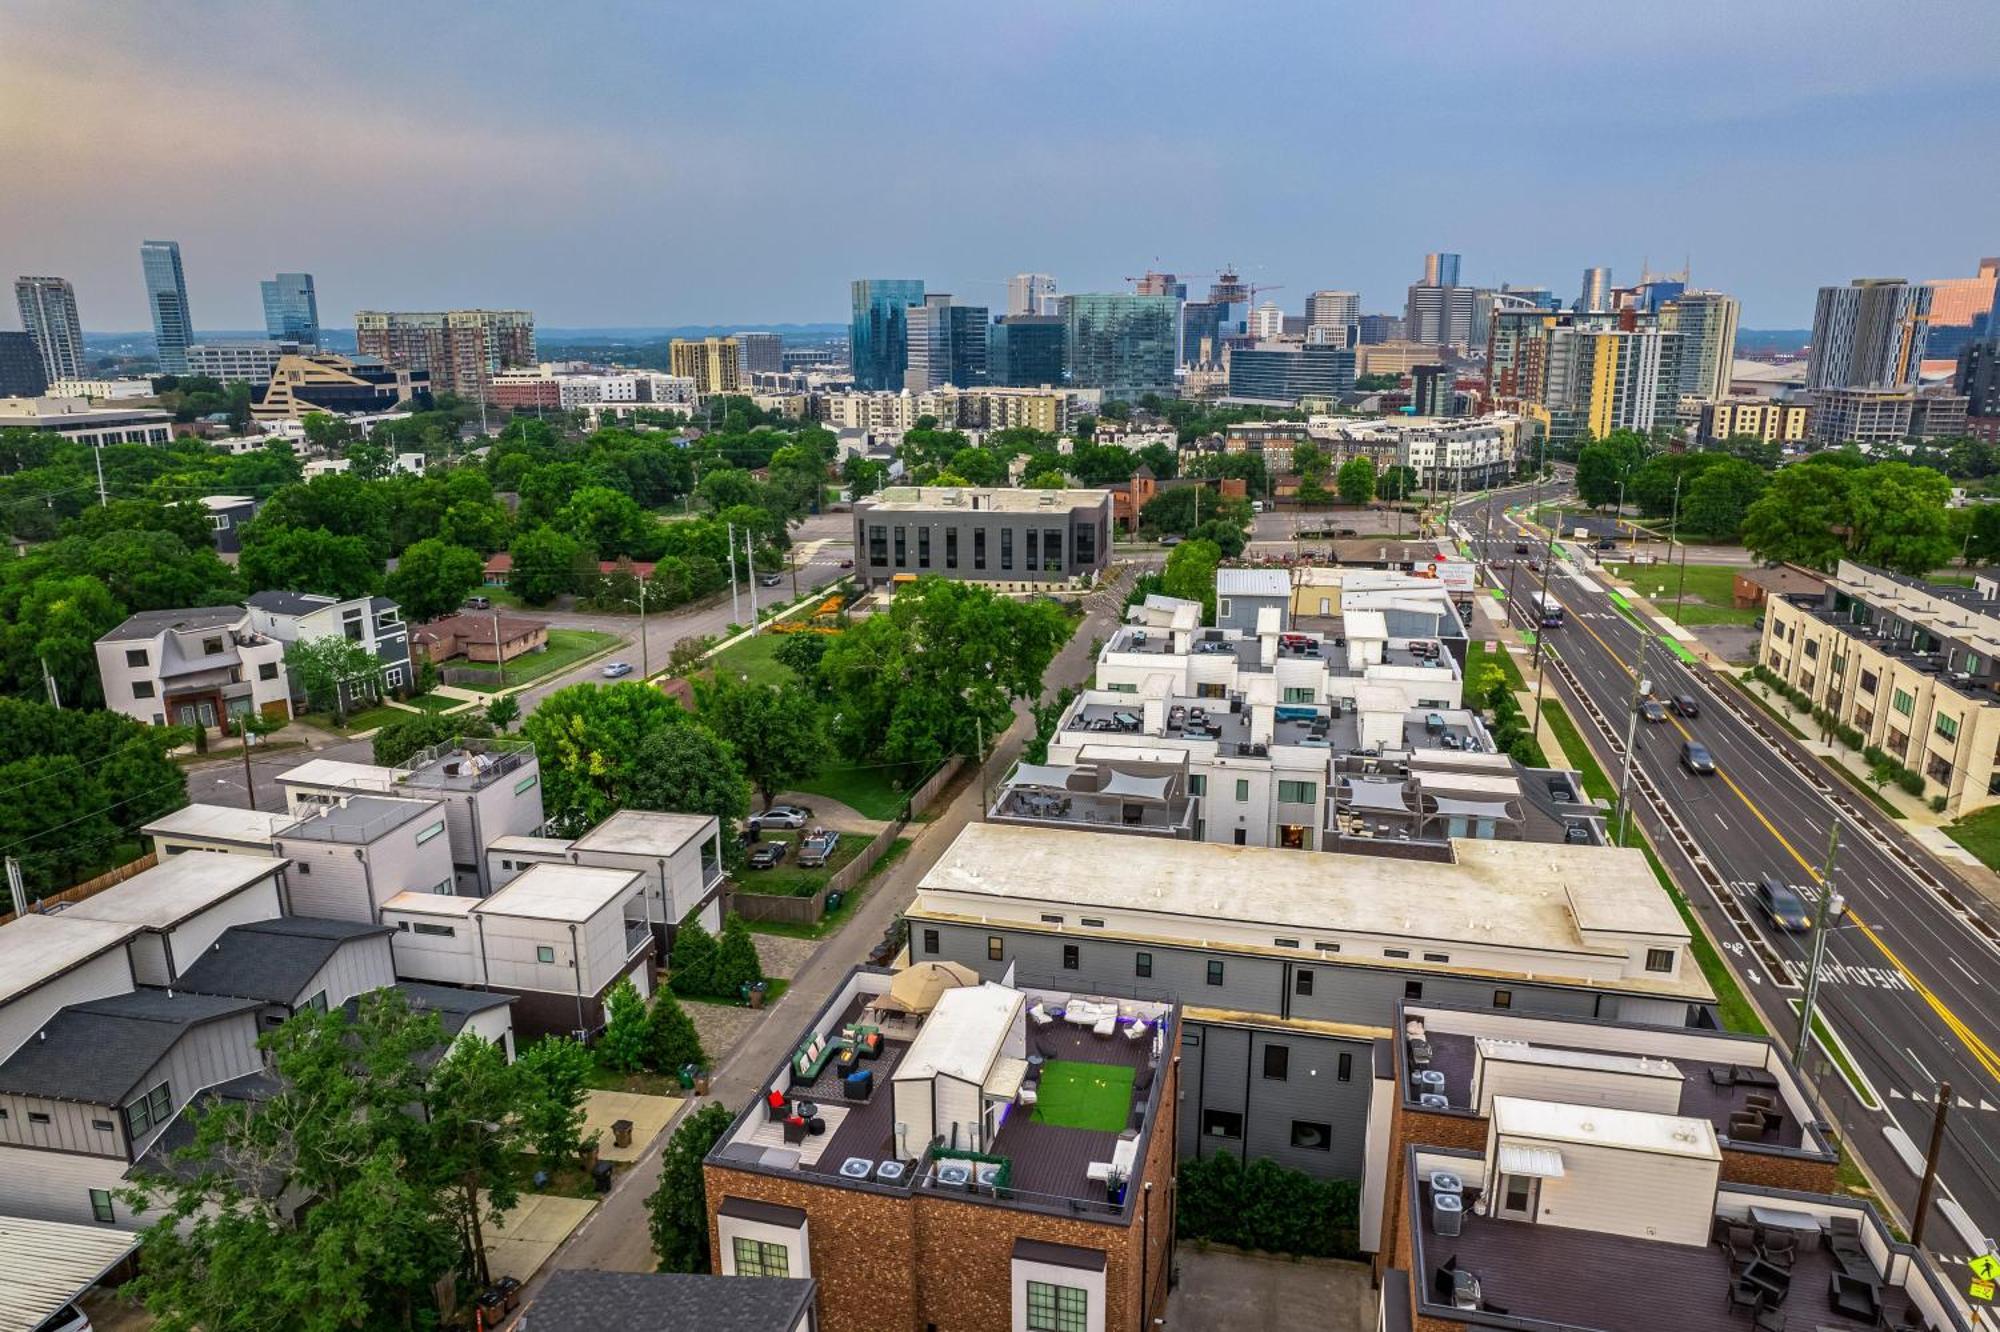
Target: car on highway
x=614, y=669
x=766, y=855
x=780, y=816
x=1696, y=758
x=1520, y=548
x=1685, y=705
x=769, y=580
x=1782, y=905
x=1652, y=710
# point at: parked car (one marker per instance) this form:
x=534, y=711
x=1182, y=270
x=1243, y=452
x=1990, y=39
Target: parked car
x=1653, y=710
x=816, y=848
x=479, y=603
x=1686, y=706
x=769, y=580
x=781, y=816
x=766, y=855
x=614, y=669
x=1781, y=905
x=69, y=1318
x=847, y=564
x=1696, y=758
x=1171, y=540
x=1534, y=566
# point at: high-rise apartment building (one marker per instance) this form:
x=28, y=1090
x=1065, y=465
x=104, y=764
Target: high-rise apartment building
x=291, y=309
x=1122, y=344
x=1031, y=294
x=1595, y=298
x=1439, y=316
x=1332, y=309
x=760, y=353
x=1201, y=333
x=714, y=364
x=167, y=299
x=1869, y=334
x=1604, y=377
x=1025, y=351
x=1706, y=322
x=48, y=313
x=1375, y=329
x=461, y=349
x=947, y=344
x=1960, y=309
x=1440, y=269
x=878, y=342
x=1267, y=322
x=1517, y=359
x=1161, y=284
x=1288, y=374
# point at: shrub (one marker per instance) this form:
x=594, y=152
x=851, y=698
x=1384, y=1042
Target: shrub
x=736, y=961
x=1873, y=755
x=1911, y=782
x=624, y=1044
x=1937, y=804
x=1267, y=1206
x=671, y=1038
x=677, y=1212
x=693, y=960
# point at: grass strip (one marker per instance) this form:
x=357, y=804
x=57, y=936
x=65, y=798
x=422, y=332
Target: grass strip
x=1595, y=783
x=1836, y=1050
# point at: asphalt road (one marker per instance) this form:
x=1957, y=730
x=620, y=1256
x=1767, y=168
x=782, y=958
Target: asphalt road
x=1909, y=986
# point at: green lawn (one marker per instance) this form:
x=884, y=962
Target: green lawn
x=756, y=659
x=433, y=703
x=1734, y=1010
x=1595, y=783
x=1979, y=833
x=365, y=720
x=872, y=790
x=836, y=919
x=1709, y=590
x=566, y=648
x=641, y=1083
x=790, y=879
x=1073, y=1094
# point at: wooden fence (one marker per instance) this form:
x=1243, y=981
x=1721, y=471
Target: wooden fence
x=92, y=887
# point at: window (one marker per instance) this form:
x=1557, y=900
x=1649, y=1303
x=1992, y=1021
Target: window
x=1946, y=726
x=996, y=949
x=441, y=931
x=902, y=546
x=1345, y=1067
x=1191, y=1037
x=302, y=867
x=211, y=646
x=1395, y=952
x=1214, y=971
x=38, y=1117
x=1069, y=957
x=1503, y=998
x=1006, y=548
x=1034, y=546
x=1298, y=793
x=103, y=1125
x=1437, y=957
x=1868, y=682
x=1284, y=943
x=1221, y=1124
x=878, y=544
x=1242, y=789
x=923, y=547
x=1048, y=919
x=1053, y=1308
x=1142, y=964
x=430, y=832
x=1221, y=608
x=1278, y=1062
x=1052, y=550
x=1659, y=959
x=100, y=1206
x=1302, y=983
x=1295, y=694
x=1811, y=649
x=1312, y=1137
x=267, y=670
x=1086, y=545
x=1091, y=922
x=148, y=1111
x=930, y=941
x=1902, y=702
x=135, y=656
x=756, y=1257
x=1197, y=785
x=544, y=953
x=1327, y=945
x=526, y=784
x=1413, y=989
x=979, y=548
x=951, y=547
x=142, y=689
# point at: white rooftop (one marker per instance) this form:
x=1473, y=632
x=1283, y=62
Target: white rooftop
x=1366, y=624
x=38, y=948
x=995, y=500
x=560, y=892
x=645, y=832
x=1521, y=1052
x=432, y=904
x=1252, y=583
x=180, y=887
x=1605, y=1126
x=46, y=1264
x=963, y=1035
x=336, y=773
x=221, y=823
x=547, y=846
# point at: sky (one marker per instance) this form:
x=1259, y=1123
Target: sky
x=612, y=165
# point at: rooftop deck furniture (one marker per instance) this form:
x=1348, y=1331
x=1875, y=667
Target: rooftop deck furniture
x=1853, y=1297
x=1083, y=1013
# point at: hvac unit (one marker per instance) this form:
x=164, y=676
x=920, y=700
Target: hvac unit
x=857, y=1167
x=987, y=1176
x=1433, y=1101
x=1444, y=1181
x=1429, y=1080
x=953, y=1174
x=1447, y=1214
x=890, y=1172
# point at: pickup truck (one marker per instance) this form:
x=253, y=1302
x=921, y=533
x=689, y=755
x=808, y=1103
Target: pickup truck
x=817, y=847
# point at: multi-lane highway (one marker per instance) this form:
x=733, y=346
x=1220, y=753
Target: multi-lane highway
x=1911, y=982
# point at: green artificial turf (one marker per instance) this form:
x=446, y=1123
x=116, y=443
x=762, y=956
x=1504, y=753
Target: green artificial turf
x=1073, y=1094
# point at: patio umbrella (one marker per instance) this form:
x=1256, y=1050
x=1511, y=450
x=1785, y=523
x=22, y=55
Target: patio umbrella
x=916, y=989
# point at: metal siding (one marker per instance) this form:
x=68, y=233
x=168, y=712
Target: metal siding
x=356, y=967
x=1313, y=1092
x=101, y=977
x=333, y=884
x=191, y=938
x=207, y=1054
x=55, y=1186
x=68, y=1130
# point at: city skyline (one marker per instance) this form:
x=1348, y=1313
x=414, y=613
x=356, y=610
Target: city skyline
x=651, y=215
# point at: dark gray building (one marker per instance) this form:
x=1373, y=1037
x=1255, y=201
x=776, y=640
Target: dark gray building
x=1288, y=374
x=982, y=536
x=1025, y=351
x=1978, y=380
x=1125, y=345
x=374, y=622
x=226, y=516
x=21, y=373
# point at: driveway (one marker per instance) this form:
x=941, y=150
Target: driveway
x=1220, y=1288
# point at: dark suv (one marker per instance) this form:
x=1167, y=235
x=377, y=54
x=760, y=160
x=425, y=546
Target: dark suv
x=1685, y=705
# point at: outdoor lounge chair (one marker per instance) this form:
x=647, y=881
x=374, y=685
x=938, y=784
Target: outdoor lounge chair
x=1739, y=1242
x=1137, y=1029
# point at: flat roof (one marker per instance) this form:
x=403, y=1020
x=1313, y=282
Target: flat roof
x=1252, y=583
x=560, y=892
x=219, y=823
x=962, y=1035
x=645, y=832
x=336, y=772
x=179, y=887
x=144, y=624
x=432, y=904
x=362, y=817
x=1527, y=895
x=37, y=948
x=46, y=1264
x=1605, y=1126
x=548, y=846
x=991, y=500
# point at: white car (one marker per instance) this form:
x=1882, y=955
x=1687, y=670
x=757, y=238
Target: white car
x=781, y=816
x=614, y=669
x=69, y=1318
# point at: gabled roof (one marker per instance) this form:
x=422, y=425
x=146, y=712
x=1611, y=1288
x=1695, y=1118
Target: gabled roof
x=574, y=1300
x=97, y=1052
x=272, y=960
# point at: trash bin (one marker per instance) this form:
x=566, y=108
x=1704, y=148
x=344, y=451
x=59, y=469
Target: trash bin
x=621, y=1133
x=755, y=994
x=687, y=1077
x=834, y=899
x=509, y=1289
x=600, y=1176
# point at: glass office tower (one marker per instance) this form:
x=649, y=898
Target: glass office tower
x=1025, y=351
x=291, y=310
x=167, y=298
x=879, y=342
x=1124, y=345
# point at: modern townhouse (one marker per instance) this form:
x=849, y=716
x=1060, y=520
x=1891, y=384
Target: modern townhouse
x=181, y=906
x=1242, y=595
x=679, y=856
x=376, y=623
x=347, y=859
x=193, y=667
x=1289, y=968
x=1913, y=666
x=294, y=963
x=557, y=938
x=911, y=1155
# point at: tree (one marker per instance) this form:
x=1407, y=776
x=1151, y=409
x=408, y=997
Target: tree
x=624, y=1044
x=556, y=1074
x=310, y=559
x=481, y=527
x=503, y=712
x=694, y=959
x=1899, y=518
x=333, y=672
x=672, y=1042
x=677, y=1211
x=468, y=1146
x=980, y=467
x=1396, y=483
x=1801, y=516
x=776, y=733
x=1227, y=536
x=1190, y=574
x=545, y=565
x=1983, y=534
x=1356, y=480
x=1720, y=496
x=801, y=654
x=1598, y=470
x=337, y=503
x=396, y=742
x=1102, y=464
x=736, y=960
x=586, y=738
x=1163, y=460
x=609, y=522
x=434, y=578
x=1309, y=462
x=53, y=635
x=1049, y=480
x=686, y=768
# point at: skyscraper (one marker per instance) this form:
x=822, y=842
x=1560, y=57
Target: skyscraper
x=1869, y=334
x=714, y=364
x=878, y=342
x=1161, y=284
x=1440, y=316
x=1121, y=344
x=167, y=298
x=1201, y=333
x=1440, y=269
x=291, y=309
x=1267, y=321
x=1595, y=298
x=1332, y=309
x=21, y=367
x=947, y=344
x=1604, y=377
x=1031, y=294
x=1960, y=308
x=1025, y=351
x=1706, y=321
x=48, y=313
x=760, y=353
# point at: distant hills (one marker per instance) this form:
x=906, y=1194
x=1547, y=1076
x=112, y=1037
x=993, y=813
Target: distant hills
x=1772, y=340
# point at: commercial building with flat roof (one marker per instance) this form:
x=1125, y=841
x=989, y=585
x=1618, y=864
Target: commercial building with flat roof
x=76, y=419
x=1020, y=538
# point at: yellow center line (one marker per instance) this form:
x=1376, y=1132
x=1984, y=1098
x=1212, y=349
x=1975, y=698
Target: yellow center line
x=1980, y=1050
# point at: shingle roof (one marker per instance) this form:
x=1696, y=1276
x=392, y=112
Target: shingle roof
x=574, y=1300
x=272, y=960
x=280, y=602
x=163, y=1155
x=97, y=1052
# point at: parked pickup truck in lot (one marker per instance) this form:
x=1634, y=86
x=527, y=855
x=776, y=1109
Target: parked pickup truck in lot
x=817, y=847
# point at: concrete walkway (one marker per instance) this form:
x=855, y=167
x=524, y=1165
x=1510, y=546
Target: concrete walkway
x=1222, y=1288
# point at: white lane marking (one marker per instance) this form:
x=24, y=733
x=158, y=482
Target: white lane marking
x=1720, y=824
x=1919, y=1063
x=1961, y=966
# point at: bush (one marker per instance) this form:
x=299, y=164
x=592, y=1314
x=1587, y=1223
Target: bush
x=671, y=1039
x=736, y=961
x=1873, y=755
x=693, y=960
x=624, y=1043
x=1912, y=782
x=1267, y=1206
x=1937, y=804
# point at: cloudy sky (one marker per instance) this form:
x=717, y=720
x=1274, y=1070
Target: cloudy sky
x=658, y=164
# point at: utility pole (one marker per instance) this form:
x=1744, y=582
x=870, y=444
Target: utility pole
x=17, y=894
x=97, y=453
x=645, y=658
x=979, y=724
x=750, y=578
x=249, y=783
x=735, y=609
x=1673, y=536
x=1924, y=1190
x=1831, y=907
x=499, y=649
x=1639, y=683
